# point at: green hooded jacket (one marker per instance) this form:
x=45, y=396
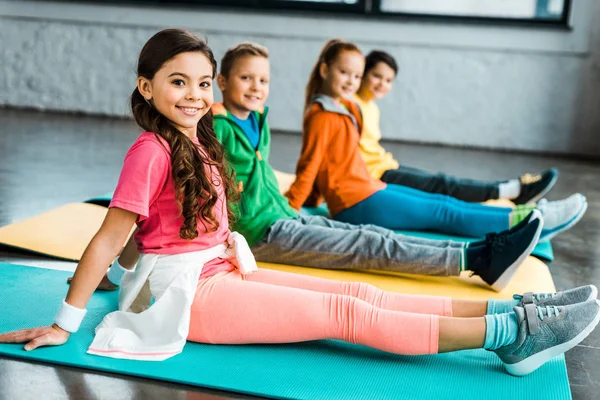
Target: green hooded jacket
x=261, y=203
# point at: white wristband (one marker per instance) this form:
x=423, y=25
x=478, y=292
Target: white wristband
x=68, y=317
x=116, y=272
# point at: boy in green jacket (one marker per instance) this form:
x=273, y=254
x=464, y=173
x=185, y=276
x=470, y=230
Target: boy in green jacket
x=278, y=234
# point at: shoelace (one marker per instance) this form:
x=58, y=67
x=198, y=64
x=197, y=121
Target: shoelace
x=543, y=296
x=538, y=296
x=550, y=312
x=528, y=179
x=534, y=314
x=498, y=242
x=494, y=243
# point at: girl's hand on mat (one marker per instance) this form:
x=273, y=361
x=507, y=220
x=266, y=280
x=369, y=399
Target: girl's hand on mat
x=104, y=285
x=37, y=337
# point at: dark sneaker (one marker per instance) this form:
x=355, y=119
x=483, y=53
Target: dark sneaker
x=561, y=215
x=504, y=252
x=530, y=217
x=535, y=186
x=572, y=296
x=545, y=332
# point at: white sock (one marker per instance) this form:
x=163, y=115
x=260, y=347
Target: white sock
x=509, y=189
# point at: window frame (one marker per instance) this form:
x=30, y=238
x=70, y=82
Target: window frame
x=367, y=9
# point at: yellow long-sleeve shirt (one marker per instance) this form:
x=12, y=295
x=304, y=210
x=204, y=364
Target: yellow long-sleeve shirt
x=377, y=159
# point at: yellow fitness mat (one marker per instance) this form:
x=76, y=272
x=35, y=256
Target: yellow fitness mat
x=532, y=276
x=62, y=233
x=66, y=231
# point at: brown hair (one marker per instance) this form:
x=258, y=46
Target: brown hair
x=329, y=54
x=235, y=53
x=194, y=189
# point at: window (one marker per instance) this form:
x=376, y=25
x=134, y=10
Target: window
x=524, y=10
x=542, y=12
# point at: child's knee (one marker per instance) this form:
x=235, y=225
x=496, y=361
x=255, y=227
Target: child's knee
x=363, y=291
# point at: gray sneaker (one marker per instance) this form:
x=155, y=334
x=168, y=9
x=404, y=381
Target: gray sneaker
x=572, y=296
x=561, y=215
x=545, y=332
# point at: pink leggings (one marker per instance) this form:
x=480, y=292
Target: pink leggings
x=279, y=307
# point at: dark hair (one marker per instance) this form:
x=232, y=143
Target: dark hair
x=194, y=188
x=377, y=56
x=329, y=54
x=243, y=49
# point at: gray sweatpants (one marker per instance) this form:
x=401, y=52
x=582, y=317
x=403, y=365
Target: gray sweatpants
x=320, y=242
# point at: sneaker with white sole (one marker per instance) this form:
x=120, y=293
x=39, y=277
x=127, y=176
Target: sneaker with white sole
x=500, y=255
x=572, y=296
x=546, y=332
x=561, y=215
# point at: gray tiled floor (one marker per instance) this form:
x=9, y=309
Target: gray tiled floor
x=47, y=160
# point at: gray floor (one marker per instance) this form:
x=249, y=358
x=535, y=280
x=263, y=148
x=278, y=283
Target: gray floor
x=47, y=160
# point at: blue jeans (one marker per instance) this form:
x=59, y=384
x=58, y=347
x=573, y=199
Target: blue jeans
x=463, y=189
x=403, y=208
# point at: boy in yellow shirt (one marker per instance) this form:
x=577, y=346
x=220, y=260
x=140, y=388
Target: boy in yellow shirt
x=380, y=71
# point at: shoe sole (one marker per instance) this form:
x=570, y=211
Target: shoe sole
x=541, y=194
x=566, y=226
x=535, y=361
x=507, y=275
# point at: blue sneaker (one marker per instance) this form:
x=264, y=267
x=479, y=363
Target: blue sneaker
x=545, y=332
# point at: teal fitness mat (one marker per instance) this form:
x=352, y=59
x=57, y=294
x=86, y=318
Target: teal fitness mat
x=102, y=200
x=543, y=251
x=314, y=370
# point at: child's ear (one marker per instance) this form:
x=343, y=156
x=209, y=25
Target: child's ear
x=221, y=82
x=144, y=87
x=323, y=70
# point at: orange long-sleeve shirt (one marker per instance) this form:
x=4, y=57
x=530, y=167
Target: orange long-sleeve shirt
x=330, y=160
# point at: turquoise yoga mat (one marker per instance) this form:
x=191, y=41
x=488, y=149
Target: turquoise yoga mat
x=314, y=370
x=543, y=251
x=102, y=200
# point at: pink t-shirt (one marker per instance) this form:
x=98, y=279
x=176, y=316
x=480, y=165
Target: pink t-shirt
x=146, y=187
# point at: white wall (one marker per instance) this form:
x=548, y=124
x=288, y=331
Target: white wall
x=486, y=86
